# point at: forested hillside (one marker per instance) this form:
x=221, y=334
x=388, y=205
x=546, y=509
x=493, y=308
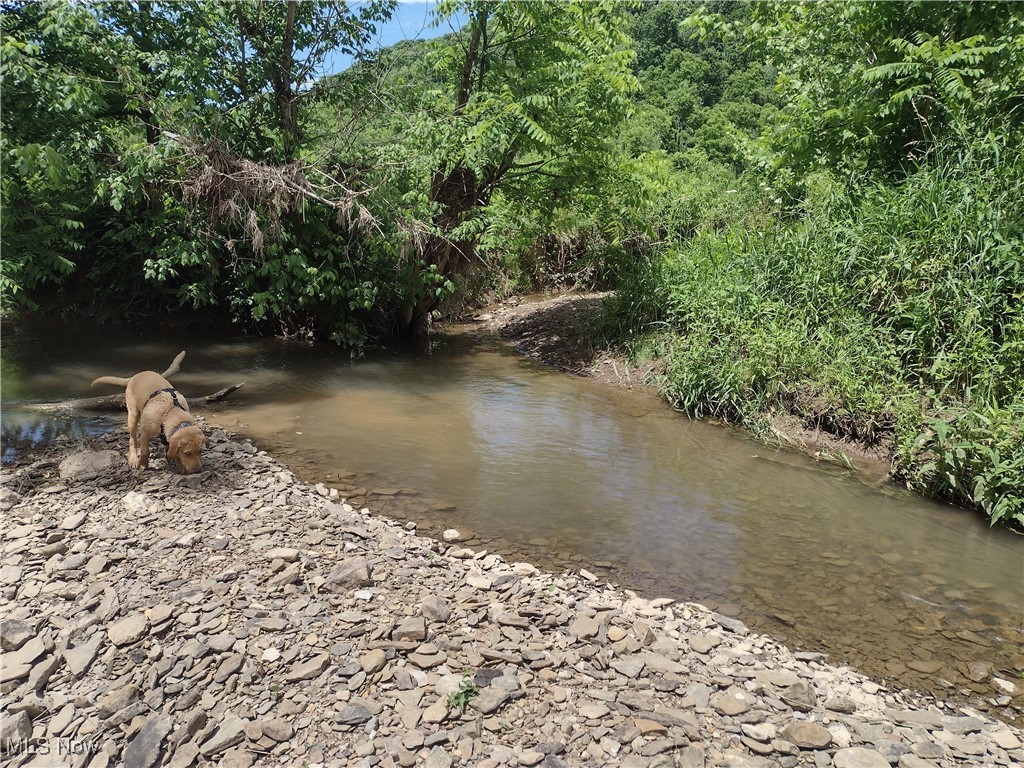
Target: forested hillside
x=804, y=209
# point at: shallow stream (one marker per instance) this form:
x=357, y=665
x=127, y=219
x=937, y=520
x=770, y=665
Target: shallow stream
x=568, y=473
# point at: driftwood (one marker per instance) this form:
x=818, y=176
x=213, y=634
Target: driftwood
x=116, y=402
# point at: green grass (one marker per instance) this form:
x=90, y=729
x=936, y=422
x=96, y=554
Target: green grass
x=882, y=312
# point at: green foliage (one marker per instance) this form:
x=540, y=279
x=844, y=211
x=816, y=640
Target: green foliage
x=976, y=457
x=868, y=85
x=467, y=692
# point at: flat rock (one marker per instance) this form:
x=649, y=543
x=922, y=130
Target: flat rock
x=307, y=670
x=435, y=609
x=355, y=713
x=277, y=729
x=13, y=635
x=734, y=701
x=143, y=751
x=128, y=630
x=230, y=731
x=87, y=464
x=351, y=574
x=859, y=757
x=807, y=735
x=81, y=656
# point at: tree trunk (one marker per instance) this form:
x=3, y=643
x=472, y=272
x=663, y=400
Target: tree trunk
x=456, y=191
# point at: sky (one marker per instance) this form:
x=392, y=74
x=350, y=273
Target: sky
x=412, y=20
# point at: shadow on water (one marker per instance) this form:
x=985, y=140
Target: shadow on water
x=568, y=473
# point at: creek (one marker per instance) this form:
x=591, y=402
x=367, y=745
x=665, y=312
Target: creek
x=565, y=472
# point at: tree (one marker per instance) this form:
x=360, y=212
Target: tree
x=873, y=85
x=536, y=91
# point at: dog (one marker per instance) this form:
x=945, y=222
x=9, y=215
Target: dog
x=156, y=409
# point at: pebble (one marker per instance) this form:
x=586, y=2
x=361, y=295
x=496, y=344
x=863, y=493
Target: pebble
x=243, y=618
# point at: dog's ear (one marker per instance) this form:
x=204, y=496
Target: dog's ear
x=172, y=450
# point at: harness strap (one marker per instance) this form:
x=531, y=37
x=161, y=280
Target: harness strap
x=174, y=398
x=171, y=391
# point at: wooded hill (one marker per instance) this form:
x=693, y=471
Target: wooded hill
x=804, y=208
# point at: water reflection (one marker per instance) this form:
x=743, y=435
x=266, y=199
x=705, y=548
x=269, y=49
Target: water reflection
x=568, y=473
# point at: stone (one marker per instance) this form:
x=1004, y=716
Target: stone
x=287, y=554
x=978, y=671
x=307, y=670
x=373, y=661
x=10, y=574
x=437, y=758
x=413, y=628
x=28, y=653
x=81, y=656
x=231, y=663
x=1004, y=686
x=355, y=713
x=704, y=644
x=277, y=729
x=807, y=735
x=87, y=464
x=143, y=751
x=490, y=700
x=13, y=635
x=585, y=627
x=14, y=728
x=800, y=696
x=690, y=757
x=116, y=700
x=435, y=609
x=841, y=704
x=1004, y=738
x=128, y=630
x=734, y=701
x=350, y=575
x=593, y=711
x=629, y=667
x=859, y=757
x=763, y=732
x=73, y=521
x=230, y=731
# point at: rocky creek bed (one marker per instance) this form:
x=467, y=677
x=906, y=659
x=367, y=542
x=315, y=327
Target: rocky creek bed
x=241, y=617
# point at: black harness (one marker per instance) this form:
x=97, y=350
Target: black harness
x=175, y=404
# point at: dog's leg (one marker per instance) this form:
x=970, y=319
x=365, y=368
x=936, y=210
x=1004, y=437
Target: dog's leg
x=133, y=454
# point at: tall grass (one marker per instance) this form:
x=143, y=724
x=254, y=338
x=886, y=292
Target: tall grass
x=883, y=312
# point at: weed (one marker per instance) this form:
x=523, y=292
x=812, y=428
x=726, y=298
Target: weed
x=467, y=692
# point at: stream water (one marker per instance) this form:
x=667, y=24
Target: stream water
x=568, y=473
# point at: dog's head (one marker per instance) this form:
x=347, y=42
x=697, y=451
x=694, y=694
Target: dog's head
x=185, y=448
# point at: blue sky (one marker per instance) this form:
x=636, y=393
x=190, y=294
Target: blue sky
x=412, y=20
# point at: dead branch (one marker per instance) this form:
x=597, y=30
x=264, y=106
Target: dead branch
x=257, y=196
x=216, y=397
x=174, y=366
x=108, y=403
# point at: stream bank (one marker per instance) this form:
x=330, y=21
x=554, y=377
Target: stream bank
x=240, y=617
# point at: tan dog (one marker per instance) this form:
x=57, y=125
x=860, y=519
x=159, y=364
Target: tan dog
x=155, y=409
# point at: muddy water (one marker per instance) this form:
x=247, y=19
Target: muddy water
x=568, y=473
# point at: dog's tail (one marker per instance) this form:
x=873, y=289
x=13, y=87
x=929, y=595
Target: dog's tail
x=110, y=380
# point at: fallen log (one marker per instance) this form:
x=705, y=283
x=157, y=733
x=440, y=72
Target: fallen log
x=107, y=403
x=116, y=402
